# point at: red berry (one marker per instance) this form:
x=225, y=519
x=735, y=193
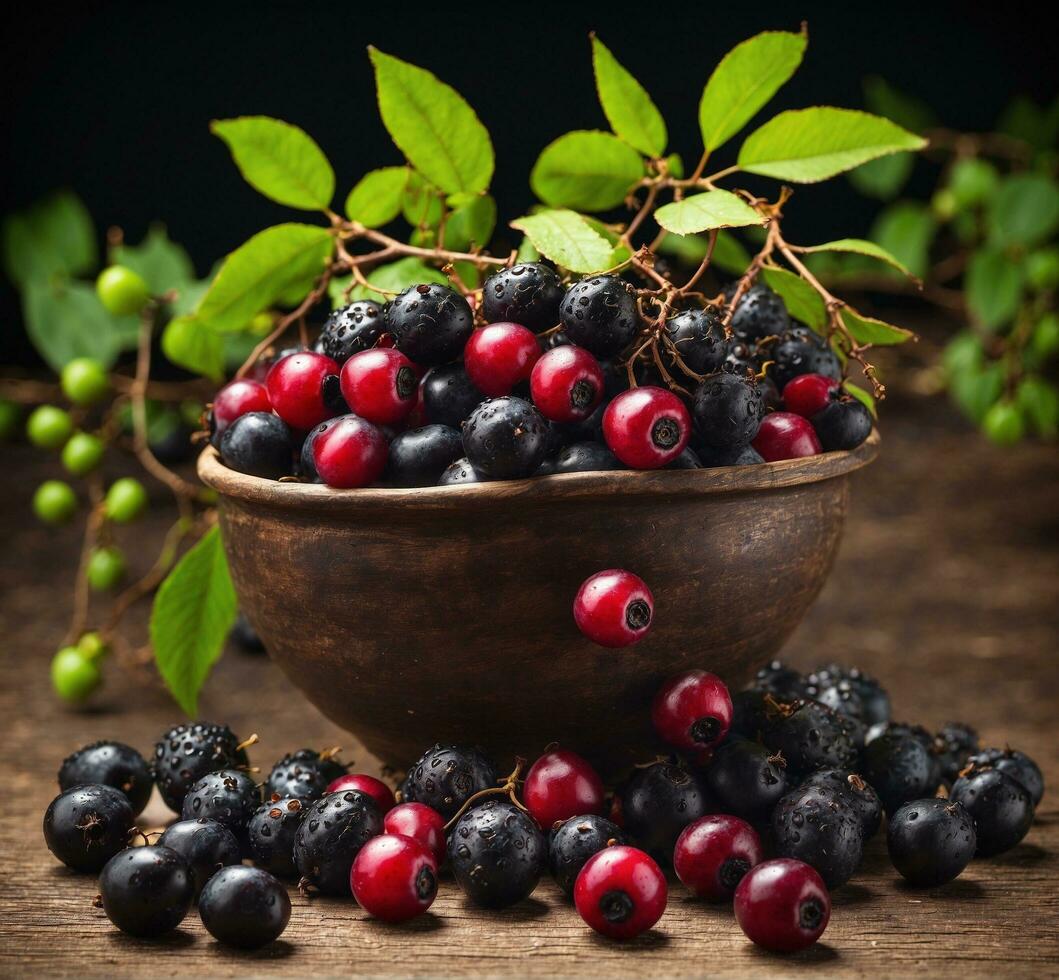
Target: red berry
x=421, y=823
x=295, y=386
x=375, y=788
x=782, y=905
x=567, y=384
x=646, y=427
x=784, y=435
x=620, y=892
x=693, y=711
x=807, y=394
x=499, y=356
x=234, y=399
x=614, y=608
x=394, y=877
x=350, y=453
x=714, y=853
x=561, y=785
x=380, y=385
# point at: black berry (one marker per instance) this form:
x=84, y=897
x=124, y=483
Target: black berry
x=505, y=438
x=259, y=444
x=600, y=315
x=1001, y=808
x=304, y=775
x=728, y=410
x=957, y=742
x=228, y=796
x=658, y=802
x=1010, y=762
x=186, y=753
x=205, y=845
x=582, y=457
x=931, y=841
x=418, y=457
x=874, y=702
x=430, y=323
x=687, y=460
x=760, y=313
x=809, y=735
x=929, y=742
x=746, y=778
x=244, y=636
x=244, y=907
x=574, y=841
x=332, y=831
x=900, y=769
x=459, y=473
x=85, y=826
x=146, y=891
x=698, y=340
x=449, y=395
x=110, y=764
x=528, y=293
x=842, y=424
x=822, y=831
x=351, y=329
x=271, y=834
x=797, y=355
x=446, y=776
x=783, y=682
x=841, y=784
x=749, y=713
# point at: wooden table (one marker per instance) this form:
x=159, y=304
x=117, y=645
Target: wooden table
x=946, y=587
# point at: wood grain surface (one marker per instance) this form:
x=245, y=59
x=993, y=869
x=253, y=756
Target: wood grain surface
x=945, y=586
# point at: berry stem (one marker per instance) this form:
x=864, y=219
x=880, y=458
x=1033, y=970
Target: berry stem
x=508, y=787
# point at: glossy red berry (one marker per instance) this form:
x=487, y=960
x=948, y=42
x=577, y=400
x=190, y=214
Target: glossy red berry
x=295, y=386
x=646, y=427
x=714, y=853
x=807, y=394
x=782, y=905
x=567, y=384
x=380, y=385
x=499, y=356
x=375, y=788
x=394, y=877
x=784, y=435
x=421, y=823
x=561, y=784
x=350, y=452
x=234, y=399
x=614, y=608
x=693, y=711
x=620, y=892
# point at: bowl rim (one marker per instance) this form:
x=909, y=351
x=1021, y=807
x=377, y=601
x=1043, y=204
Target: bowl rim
x=627, y=483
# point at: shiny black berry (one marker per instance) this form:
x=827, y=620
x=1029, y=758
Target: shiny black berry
x=574, y=841
x=600, y=315
x=497, y=853
x=146, y=891
x=838, y=694
x=741, y=358
x=351, y=329
x=809, y=735
x=110, y=764
x=259, y=444
x=929, y=742
x=228, y=796
x=271, y=834
x=528, y=293
x=739, y=456
x=957, y=742
x=449, y=395
x=244, y=636
x=85, y=826
x=186, y=753
x=418, y=457
x=931, y=841
x=430, y=323
x=505, y=438
x=728, y=410
x=304, y=775
x=745, y=778
x=332, y=832
x=783, y=682
x=900, y=769
x=1001, y=808
x=458, y=473
x=206, y=845
x=244, y=907
x=1015, y=764
x=658, y=802
x=698, y=341
x=852, y=789
x=760, y=313
x=842, y=424
x=793, y=356
x=582, y=457
x=446, y=776
x=821, y=830
x=874, y=701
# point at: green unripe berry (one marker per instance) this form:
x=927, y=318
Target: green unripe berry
x=972, y=182
x=122, y=291
x=1045, y=339
x=73, y=676
x=54, y=502
x=84, y=381
x=10, y=414
x=125, y=501
x=261, y=324
x=1042, y=268
x=91, y=645
x=1003, y=424
x=49, y=427
x=106, y=568
x=943, y=204
x=83, y=453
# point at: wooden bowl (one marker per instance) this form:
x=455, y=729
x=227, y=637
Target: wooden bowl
x=444, y=613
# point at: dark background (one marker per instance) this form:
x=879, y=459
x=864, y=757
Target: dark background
x=115, y=102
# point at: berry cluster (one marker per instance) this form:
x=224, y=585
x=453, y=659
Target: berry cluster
x=414, y=393
x=766, y=801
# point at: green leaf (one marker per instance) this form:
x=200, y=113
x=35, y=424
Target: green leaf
x=65, y=319
x=1025, y=210
x=884, y=177
x=906, y=230
x=193, y=611
x=962, y=353
x=586, y=170
x=868, y=330
x=858, y=246
x=862, y=395
x=397, y=276
x=432, y=126
x=260, y=271
x=993, y=287
x=809, y=145
x=527, y=251
x=703, y=212
x=55, y=236
x=729, y=254
x=162, y=263
x=802, y=301
x=976, y=390
x=279, y=160
x=422, y=203
x=567, y=239
x=471, y=222
x=1027, y=121
x=1038, y=400
x=190, y=343
x=376, y=200
x=747, y=77
x=899, y=107
x=628, y=108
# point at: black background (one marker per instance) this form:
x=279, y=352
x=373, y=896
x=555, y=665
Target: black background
x=115, y=102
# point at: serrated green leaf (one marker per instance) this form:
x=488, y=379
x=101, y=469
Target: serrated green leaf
x=471, y=222
x=567, y=239
x=279, y=160
x=190, y=343
x=586, y=170
x=802, y=301
x=884, y=177
x=706, y=211
x=868, y=330
x=527, y=251
x=54, y=237
x=809, y=145
x=433, y=126
x=993, y=287
x=862, y=395
x=193, y=611
x=259, y=272
x=858, y=246
x=376, y=200
x=1025, y=210
x=162, y=263
x=747, y=77
x=65, y=319
x=397, y=276
x=628, y=108
x=906, y=230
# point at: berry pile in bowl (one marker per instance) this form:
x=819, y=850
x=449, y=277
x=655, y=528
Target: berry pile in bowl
x=765, y=803
x=544, y=379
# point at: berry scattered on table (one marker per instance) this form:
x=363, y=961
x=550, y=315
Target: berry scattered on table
x=782, y=905
x=931, y=841
x=206, y=846
x=112, y=764
x=693, y=711
x=86, y=825
x=244, y=907
x=394, y=877
x=146, y=891
x=559, y=785
x=714, y=853
x=620, y=892
x=420, y=822
x=574, y=841
x=332, y=831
